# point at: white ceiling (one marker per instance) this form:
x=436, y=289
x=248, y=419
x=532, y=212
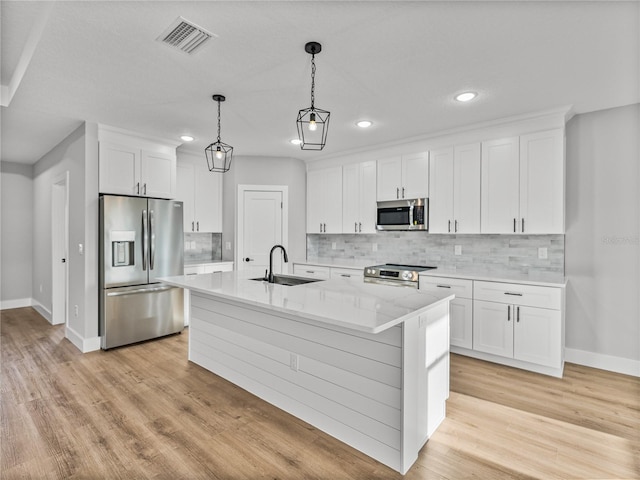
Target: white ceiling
x=397, y=63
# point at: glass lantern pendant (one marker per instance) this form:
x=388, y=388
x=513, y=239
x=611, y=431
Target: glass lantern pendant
x=219, y=155
x=313, y=123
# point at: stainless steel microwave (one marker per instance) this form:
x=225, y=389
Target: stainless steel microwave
x=411, y=214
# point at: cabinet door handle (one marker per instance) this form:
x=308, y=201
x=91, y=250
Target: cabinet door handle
x=138, y=188
x=514, y=225
x=523, y=225
x=515, y=294
x=508, y=313
x=198, y=226
x=145, y=188
x=449, y=227
x=443, y=286
x=397, y=192
x=320, y=228
x=359, y=227
x=325, y=227
x=456, y=226
x=402, y=192
x=518, y=314
x=346, y=275
x=310, y=271
x=355, y=227
x=193, y=229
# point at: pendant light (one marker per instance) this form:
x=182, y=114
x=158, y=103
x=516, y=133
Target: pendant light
x=313, y=123
x=219, y=155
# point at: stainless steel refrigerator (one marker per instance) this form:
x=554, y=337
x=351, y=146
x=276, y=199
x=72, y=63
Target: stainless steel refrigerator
x=141, y=239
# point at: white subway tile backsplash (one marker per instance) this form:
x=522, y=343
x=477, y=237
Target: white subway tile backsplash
x=495, y=253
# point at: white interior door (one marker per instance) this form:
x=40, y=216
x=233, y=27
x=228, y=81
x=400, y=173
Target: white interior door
x=59, y=249
x=261, y=225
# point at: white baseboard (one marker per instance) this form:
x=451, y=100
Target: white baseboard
x=42, y=310
x=83, y=344
x=625, y=366
x=17, y=303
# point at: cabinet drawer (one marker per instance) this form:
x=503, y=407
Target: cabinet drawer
x=193, y=269
x=347, y=273
x=459, y=287
x=313, y=271
x=218, y=267
x=528, y=295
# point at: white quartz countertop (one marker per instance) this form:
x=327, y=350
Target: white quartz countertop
x=348, y=303
x=544, y=280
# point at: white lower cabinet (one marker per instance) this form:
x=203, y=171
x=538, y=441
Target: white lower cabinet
x=311, y=271
x=514, y=324
x=461, y=313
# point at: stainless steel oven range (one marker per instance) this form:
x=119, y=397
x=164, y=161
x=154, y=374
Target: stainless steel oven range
x=395, y=274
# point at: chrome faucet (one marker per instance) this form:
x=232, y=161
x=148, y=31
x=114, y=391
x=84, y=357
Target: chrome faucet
x=269, y=277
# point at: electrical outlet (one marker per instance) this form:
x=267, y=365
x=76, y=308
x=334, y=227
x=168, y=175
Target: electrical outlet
x=293, y=362
x=333, y=245
x=457, y=250
x=374, y=247
x=542, y=253
x=40, y=288
x=80, y=249
x=76, y=310
x=193, y=245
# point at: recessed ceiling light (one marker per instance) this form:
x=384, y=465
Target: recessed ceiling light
x=187, y=138
x=295, y=141
x=466, y=96
x=364, y=123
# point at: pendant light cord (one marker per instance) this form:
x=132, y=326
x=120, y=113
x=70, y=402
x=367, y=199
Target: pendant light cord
x=218, y=121
x=313, y=78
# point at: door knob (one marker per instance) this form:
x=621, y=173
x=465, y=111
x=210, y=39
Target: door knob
x=248, y=259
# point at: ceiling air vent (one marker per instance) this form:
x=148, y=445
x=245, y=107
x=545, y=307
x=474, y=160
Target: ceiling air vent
x=185, y=36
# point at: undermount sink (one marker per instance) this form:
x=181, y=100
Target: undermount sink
x=289, y=280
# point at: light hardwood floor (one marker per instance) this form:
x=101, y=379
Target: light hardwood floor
x=144, y=411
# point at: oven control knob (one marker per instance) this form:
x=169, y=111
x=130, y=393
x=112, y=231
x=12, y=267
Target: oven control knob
x=407, y=276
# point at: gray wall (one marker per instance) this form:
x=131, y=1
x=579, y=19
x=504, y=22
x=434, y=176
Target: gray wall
x=602, y=237
x=77, y=154
x=16, y=204
x=267, y=171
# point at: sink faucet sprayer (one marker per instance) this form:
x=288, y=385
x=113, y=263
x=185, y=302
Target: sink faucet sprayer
x=269, y=277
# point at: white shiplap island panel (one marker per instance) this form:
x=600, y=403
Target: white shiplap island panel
x=367, y=364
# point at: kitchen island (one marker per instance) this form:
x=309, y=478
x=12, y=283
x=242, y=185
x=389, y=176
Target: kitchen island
x=367, y=364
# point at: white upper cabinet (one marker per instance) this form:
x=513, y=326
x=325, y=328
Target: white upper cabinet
x=405, y=176
x=523, y=184
x=454, y=189
x=500, y=189
x=324, y=200
x=542, y=182
x=119, y=169
x=130, y=164
x=359, y=198
x=201, y=193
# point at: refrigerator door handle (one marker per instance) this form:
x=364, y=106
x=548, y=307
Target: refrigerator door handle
x=152, y=231
x=139, y=290
x=145, y=240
